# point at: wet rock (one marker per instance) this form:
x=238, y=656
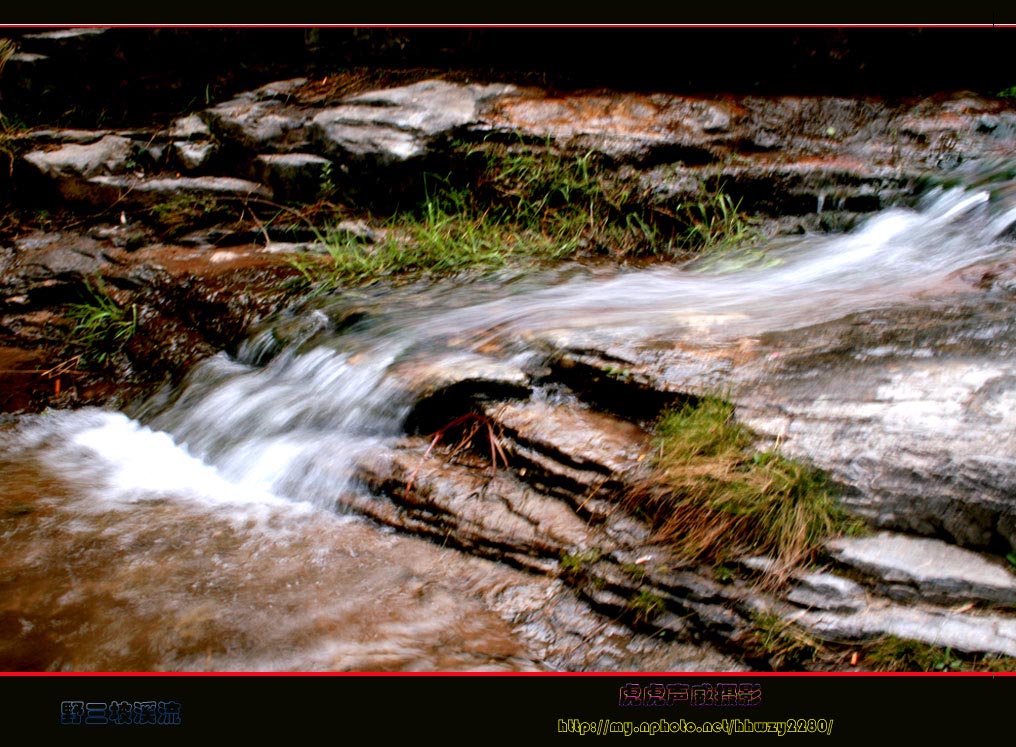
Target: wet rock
x=612, y=378
x=433, y=374
x=576, y=436
x=52, y=268
x=461, y=503
x=397, y=124
x=926, y=444
x=294, y=176
x=129, y=236
x=490, y=515
x=449, y=384
x=924, y=568
x=563, y=632
x=780, y=189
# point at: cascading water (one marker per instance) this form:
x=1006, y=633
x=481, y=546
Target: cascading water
x=208, y=511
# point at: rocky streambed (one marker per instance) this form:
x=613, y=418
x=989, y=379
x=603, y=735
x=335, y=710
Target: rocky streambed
x=427, y=473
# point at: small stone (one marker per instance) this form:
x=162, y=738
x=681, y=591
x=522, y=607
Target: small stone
x=192, y=156
x=191, y=127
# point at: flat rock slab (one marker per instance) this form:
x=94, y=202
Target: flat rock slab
x=619, y=125
x=931, y=568
x=108, y=155
x=398, y=124
x=961, y=632
x=47, y=268
x=431, y=375
x=106, y=189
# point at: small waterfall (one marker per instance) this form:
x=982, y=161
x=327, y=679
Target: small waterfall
x=295, y=426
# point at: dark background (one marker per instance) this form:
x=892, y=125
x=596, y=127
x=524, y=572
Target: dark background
x=505, y=709
x=134, y=74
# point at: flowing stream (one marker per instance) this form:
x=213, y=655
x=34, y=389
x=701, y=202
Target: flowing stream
x=204, y=533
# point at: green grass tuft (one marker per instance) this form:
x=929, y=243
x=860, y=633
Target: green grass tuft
x=521, y=206
x=783, y=645
x=712, y=498
x=7, y=50
x=715, y=223
x=574, y=567
x=101, y=326
x=181, y=213
x=645, y=605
